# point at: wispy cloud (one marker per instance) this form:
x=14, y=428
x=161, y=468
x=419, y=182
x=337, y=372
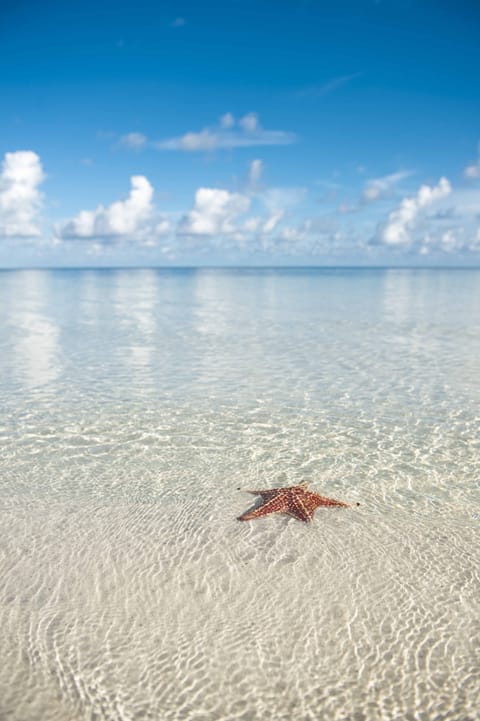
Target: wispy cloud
x=178, y=23
x=134, y=141
x=377, y=188
x=319, y=91
x=227, y=121
x=254, y=174
x=227, y=134
x=282, y=198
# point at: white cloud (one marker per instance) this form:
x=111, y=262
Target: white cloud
x=135, y=141
x=473, y=171
x=255, y=173
x=272, y=221
x=460, y=240
x=397, y=230
x=20, y=198
x=249, y=122
x=124, y=217
x=252, y=224
x=227, y=121
x=163, y=227
x=319, y=91
x=282, y=198
x=214, y=212
x=204, y=140
x=278, y=202
x=450, y=241
x=225, y=135
x=312, y=237
x=291, y=234
x=379, y=187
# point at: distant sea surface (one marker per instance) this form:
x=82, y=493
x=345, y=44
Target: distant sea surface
x=134, y=404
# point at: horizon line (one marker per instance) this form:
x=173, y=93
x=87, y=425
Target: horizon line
x=241, y=267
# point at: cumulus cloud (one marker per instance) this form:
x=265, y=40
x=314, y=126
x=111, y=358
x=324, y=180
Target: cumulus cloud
x=377, y=188
x=450, y=241
x=459, y=240
x=122, y=218
x=228, y=134
x=218, y=217
x=396, y=232
x=20, y=197
x=214, y=212
x=135, y=141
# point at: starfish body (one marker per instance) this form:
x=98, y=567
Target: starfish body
x=297, y=501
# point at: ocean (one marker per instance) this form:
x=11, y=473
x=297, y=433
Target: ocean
x=133, y=406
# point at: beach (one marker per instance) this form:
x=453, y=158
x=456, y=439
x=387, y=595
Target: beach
x=133, y=406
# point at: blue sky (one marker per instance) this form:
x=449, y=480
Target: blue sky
x=240, y=132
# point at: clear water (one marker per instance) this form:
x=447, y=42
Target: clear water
x=133, y=404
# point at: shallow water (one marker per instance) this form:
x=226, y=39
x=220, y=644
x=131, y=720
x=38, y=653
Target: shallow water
x=133, y=404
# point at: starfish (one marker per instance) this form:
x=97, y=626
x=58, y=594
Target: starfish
x=297, y=501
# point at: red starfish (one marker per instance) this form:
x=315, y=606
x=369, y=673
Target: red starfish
x=297, y=501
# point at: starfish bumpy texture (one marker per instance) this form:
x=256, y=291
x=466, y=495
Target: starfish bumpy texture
x=297, y=501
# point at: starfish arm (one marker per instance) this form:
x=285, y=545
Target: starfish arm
x=317, y=500
x=303, y=504
x=267, y=494
x=278, y=504
x=300, y=515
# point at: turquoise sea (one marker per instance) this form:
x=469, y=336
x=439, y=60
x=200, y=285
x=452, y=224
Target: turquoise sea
x=135, y=403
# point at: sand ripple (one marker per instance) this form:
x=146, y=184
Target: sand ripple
x=173, y=610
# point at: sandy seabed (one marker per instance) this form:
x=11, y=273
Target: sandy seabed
x=128, y=588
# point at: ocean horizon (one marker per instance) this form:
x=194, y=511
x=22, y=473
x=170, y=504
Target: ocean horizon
x=240, y=267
